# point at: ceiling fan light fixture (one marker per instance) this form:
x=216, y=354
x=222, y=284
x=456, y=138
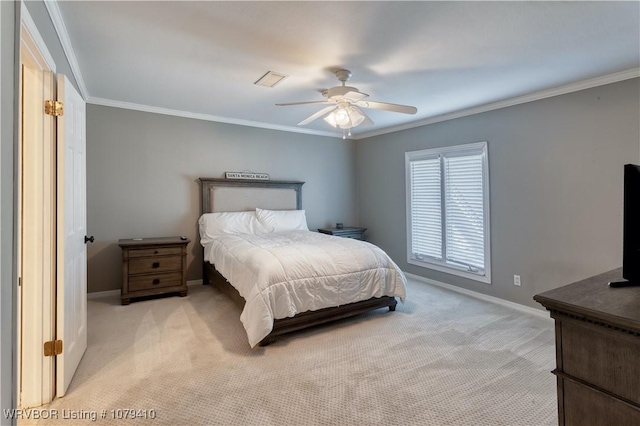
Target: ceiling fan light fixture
x=356, y=116
x=345, y=117
x=342, y=117
x=331, y=120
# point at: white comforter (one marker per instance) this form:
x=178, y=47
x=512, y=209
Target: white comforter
x=282, y=274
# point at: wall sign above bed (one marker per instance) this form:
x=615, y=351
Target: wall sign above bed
x=246, y=175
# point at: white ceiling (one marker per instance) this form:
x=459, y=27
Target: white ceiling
x=202, y=58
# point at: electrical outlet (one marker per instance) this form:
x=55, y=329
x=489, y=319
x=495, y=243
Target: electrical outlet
x=516, y=280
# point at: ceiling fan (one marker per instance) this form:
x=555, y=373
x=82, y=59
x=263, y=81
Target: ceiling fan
x=345, y=103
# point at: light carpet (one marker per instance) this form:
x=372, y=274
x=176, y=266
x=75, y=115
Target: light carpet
x=441, y=359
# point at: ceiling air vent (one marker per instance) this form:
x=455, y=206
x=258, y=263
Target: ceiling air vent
x=270, y=79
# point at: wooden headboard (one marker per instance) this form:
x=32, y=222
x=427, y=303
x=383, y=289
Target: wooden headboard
x=228, y=195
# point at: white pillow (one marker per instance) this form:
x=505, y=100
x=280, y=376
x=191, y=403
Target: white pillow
x=213, y=225
x=282, y=220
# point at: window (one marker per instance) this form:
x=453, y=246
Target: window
x=448, y=210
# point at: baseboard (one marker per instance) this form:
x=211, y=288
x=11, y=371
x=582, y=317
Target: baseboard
x=522, y=308
x=109, y=293
x=518, y=307
x=99, y=294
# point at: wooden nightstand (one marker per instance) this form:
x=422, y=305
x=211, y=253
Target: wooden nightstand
x=152, y=266
x=346, y=232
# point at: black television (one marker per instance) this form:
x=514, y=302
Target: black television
x=631, y=228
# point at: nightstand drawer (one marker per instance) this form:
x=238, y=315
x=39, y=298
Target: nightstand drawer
x=159, y=251
x=355, y=235
x=149, y=265
x=345, y=232
x=146, y=282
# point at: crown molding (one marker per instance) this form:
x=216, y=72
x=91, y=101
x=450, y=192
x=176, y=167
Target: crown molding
x=206, y=117
x=543, y=94
x=67, y=47
x=536, y=96
x=61, y=30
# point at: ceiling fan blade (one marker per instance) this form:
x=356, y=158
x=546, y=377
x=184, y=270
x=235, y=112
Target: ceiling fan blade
x=354, y=96
x=367, y=121
x=305, y=102
x=318, y=114
x=405, y=109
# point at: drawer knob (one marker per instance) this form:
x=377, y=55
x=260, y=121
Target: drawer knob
x=155, y=265
x=155, y=252
x=156, y=281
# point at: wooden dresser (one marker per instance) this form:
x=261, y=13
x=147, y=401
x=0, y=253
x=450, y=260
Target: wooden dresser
x=597, y=351
x=346, y=232
x=152, y=266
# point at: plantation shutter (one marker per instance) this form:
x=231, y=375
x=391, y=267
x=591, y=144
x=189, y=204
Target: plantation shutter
x=426, y=209
x=464, y=211
x=448, y=210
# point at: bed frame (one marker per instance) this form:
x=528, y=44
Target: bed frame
x=215, y=197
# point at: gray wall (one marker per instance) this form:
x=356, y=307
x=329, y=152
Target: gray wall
x=7, y=66
x=142, y=172
x=555, y=169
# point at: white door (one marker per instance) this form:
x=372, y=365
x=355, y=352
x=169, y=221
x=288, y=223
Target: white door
x=71, y=298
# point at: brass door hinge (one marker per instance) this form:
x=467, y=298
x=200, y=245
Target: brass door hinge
x=53, y=348
x=55, y=108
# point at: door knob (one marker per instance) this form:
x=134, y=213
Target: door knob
x=88, y=239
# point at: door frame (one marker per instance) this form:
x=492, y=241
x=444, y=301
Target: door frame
x=36, y=373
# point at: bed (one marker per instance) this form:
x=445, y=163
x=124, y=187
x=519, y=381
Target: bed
x=286, y=279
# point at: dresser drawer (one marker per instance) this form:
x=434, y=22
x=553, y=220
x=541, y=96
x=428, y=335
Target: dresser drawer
x=158, y=251
x=584, y=406
x=146, y=282
x=150, y=265
x=604, y=357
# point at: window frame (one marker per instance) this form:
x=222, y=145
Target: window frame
x=442, y=265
